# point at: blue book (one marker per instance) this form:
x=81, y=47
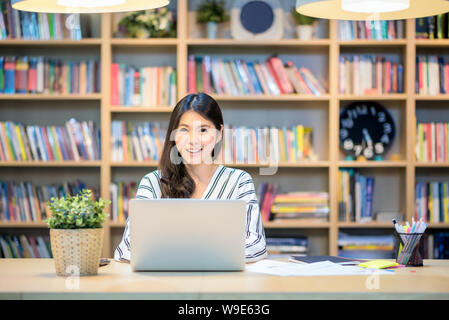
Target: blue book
x=5, y=201
x=297, y=241
x=2, y=74
x=441, y=72
x=41, y=137
x=369, y=197
x=10, y=74
x=401, y=78
x=253, y=78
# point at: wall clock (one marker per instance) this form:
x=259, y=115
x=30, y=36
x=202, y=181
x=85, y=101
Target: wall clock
x=257, y=20
x=366, y=129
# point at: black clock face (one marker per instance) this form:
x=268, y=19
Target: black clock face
x=366, y=129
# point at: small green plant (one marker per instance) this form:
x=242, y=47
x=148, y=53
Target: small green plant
x=301, y=19
x=77, y=212
x=212, y=11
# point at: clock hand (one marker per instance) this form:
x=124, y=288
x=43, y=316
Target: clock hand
x=367, y=136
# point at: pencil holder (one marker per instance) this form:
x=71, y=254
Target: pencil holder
x=409, y=254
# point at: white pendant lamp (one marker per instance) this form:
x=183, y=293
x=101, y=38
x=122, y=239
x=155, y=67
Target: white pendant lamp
x=86, y=6
x=371, y=9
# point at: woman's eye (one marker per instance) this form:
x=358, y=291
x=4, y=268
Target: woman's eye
x=204, y=129
x=182, y=130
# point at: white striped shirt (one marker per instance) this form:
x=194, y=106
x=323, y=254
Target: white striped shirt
x=226, y=183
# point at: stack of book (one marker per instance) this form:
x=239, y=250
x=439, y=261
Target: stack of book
x=355, y=196
x=137, y=141
x=285, y=247
x=438, y=246
x=266, y=193
x=365, y=246
x=121, y=193
x=371, y=30
x=149, y=86
x=238, y=77
x=370, y=74
x=23, y=201
x=242, y=144
x=78, y=141
x=432, y=75
x=16, y=24
x=432, y=201
x=304, y=206
x=50, y=76
x=25, y=247
x=434, y=27
x=432, y=142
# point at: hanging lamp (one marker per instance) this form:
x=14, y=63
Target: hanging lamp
x=86, y=6
x=371, y=9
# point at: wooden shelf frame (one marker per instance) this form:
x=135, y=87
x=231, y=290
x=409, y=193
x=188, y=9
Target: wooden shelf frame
x=107, y=44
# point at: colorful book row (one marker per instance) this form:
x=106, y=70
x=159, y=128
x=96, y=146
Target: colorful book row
x=369, y=74
x=371, y=30
x=268, y=144
x=121, y=192
x=25, y=247
x=16, y=24
x=355, y=196
x=287, y=245
x=50, y=76
x=25, y=202
x=306, y=206
x=137, y=141
x=238, y=77
x=433, y=27
x=148, y=86
x=432, y=142
x=432, y=75
x=366, y=246
x=432, y=201
x=78, y=141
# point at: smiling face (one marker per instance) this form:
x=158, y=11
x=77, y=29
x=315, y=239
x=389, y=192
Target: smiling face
x=195, y=138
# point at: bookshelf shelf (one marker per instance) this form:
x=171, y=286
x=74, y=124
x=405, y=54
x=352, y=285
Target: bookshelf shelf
x=385, y=97
x=130, y=42
x=432, y=164
x=372, y=164
x=56, y=43
x=50, y=164
x=261, y=43
x=432, y=42
x=41, y=96
x=367, y=225
x=304, y=164
x=124, y=109
x=441, y=97
x=433, y=225
x=372, y=43
x=285, y=97
x=285, y=224
x=19, y=224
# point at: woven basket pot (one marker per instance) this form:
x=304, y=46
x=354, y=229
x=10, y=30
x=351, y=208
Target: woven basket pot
x=76, y=251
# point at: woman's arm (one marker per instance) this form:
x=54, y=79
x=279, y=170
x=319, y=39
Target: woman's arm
x=144, y=191
x=255, y=246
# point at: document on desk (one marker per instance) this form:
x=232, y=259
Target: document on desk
x=323, y=268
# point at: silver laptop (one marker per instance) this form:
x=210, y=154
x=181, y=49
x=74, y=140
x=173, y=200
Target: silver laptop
x=187, y=234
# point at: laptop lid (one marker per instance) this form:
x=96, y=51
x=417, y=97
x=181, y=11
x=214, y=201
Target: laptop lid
x=187, y=234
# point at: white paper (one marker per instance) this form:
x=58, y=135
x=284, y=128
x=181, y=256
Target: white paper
x=323, y=268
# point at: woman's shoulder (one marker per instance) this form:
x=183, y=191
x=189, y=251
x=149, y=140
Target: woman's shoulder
x=237, y=172
x=153, y=176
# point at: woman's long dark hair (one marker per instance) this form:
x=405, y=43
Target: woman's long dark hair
x=175, y=180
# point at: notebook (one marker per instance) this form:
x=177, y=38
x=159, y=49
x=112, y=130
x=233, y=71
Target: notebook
x=312, y=259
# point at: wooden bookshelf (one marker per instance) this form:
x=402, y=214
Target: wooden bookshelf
x=333, y=101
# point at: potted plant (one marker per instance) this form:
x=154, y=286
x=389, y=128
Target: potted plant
x=305, y=25
x=152, y=23
x=211, y=13
x=76, y=233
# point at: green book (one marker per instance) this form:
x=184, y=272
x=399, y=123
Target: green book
x=51, y=28
x=199, y=73
x=441, y=19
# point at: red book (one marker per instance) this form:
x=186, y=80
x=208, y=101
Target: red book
x=125, y=142
x=191, y=75
x=420, y=75
x=281, y=74
x=206, y=78
x=303, y=83
x=264, y=206
x=437, y=141
x=47, y=143
x=275, y=76
x=387, y=77
x=115, y=70
x=32, y=76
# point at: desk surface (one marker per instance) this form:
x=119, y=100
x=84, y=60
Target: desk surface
x=36, y=279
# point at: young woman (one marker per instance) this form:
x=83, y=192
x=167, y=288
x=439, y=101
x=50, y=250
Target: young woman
x=187, y=170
